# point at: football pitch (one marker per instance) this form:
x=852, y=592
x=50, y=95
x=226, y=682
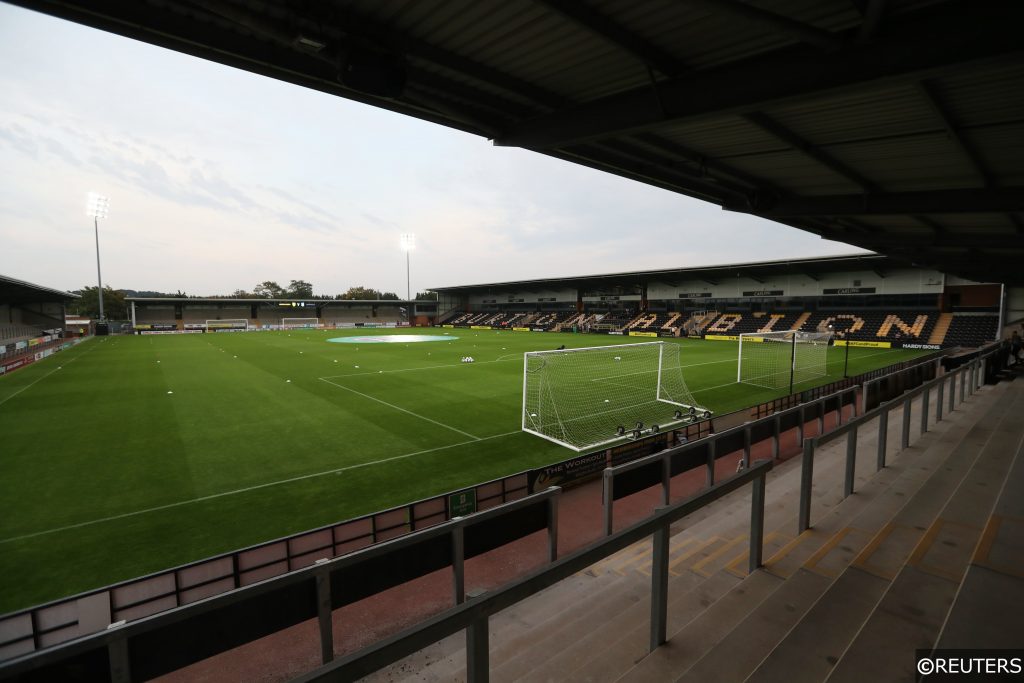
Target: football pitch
x=128, y=455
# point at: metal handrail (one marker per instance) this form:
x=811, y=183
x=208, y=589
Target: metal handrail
x=666, y=455
x=116, y=637
x=474, y=614
x=971, y=375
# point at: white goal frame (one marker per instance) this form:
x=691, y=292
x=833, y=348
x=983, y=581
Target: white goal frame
x=311, y=323
x=795, y=339
x=688, y=413
x=227, y=324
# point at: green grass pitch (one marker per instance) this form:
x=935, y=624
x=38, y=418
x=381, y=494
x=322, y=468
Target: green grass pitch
x=105, y=474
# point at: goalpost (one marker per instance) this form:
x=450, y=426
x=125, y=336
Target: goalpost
x=776, y=360
x=240, y=324
x=299, y=323
x=589, y=397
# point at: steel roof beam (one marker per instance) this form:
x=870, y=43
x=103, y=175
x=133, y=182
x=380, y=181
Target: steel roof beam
x=604, y=27
x=780, y=132
x=932, y=99
x=998, y=200
x=920, y=44
x=805, y=33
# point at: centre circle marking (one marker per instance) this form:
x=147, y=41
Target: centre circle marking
x=394, y=339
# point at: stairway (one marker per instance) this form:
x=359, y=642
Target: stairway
x=849, y=599
x=799, y=323
x=938, y=334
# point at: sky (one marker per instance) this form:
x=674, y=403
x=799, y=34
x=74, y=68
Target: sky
x=219, y=179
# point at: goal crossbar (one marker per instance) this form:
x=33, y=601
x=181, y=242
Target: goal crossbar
x=585, y=398
x=781, y=358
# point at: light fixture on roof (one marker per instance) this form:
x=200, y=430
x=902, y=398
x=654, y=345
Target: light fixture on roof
x=311, y=44
x=97, y=206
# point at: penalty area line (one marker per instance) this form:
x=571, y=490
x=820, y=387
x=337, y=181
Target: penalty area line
x=392, y=405
x=234, y=492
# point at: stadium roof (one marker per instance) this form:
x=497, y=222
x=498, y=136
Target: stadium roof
x=14, y=291
x=713, y=274
x=893, y=125
x=226, y=300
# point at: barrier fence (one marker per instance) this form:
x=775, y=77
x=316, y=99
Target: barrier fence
x=156, y=645
x=62, y=620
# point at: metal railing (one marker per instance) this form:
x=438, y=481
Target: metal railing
x=473, y=616
x=741, y=435
x=970, y=376
x=167, y=641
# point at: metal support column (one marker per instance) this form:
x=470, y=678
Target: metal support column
x=477, y=651
x=905, y=435
x=659, y=588
x=883, y=436
x=756, y=524
x=851, y=461
x=806, y=478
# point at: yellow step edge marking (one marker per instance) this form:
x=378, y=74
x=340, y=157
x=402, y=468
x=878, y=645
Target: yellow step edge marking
x=916, y=559
x=989, y=537
x=698, y=567
x=685, y=556
x=733, y=565
x=862, y=560
x=784, y=551
x=812, y=562
x=926, y=542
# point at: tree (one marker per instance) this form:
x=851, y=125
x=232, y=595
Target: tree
x=362, y=293
x=268, y=290
x=242, y=294
x=299, y=289
x=426, y=296
x=88, y=306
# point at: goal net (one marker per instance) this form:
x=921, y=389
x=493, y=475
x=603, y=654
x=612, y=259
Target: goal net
x=227, y=325
x=299, y=323
x=585, y=398
x=777, y=360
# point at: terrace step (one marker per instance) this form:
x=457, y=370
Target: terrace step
x=814, y=645
x=737, y=654
x=913, y=610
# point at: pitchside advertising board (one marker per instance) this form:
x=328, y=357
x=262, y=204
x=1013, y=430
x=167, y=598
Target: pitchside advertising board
x=577, y=470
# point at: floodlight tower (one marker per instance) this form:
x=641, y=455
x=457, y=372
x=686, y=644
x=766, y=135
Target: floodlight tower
x=97, y=206
x=408, y=242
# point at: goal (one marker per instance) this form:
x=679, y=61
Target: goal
x=776, y=360
x=239, y=324
x=299, y=323
x=589, y=397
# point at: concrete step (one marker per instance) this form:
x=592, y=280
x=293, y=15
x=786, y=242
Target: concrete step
x=913, y=610
x=609, y=650
x=687, y=645
x=813, y=647
x=740, y=651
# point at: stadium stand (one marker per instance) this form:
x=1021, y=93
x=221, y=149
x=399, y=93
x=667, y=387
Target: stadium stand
x=971, y=330
x=881, y=326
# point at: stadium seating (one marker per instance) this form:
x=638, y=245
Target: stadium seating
x=971, y=330
x=10, y=334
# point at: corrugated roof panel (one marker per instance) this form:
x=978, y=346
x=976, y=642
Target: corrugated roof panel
x=983, y=96
x=870, y=114
x=923, y=162
x=722, y=138
x=990, y=223
x=792, y=171
x=1001, y=149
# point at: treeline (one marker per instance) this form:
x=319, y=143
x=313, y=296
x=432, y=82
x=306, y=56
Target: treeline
x=115, y=308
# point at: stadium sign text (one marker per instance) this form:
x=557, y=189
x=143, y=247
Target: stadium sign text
x=865, y=344
x=764, y=292
x=694, y=295
x=520, y=329
x=721, y=337
x=642, y=334
x=930, y=347
x=849, y=290
x=479, y=327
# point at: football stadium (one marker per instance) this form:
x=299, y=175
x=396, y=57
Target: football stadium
x=799, y=469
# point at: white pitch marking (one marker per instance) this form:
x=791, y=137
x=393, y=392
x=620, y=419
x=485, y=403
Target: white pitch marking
x=392, y=405
x=39, y=379
x=233, y=492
